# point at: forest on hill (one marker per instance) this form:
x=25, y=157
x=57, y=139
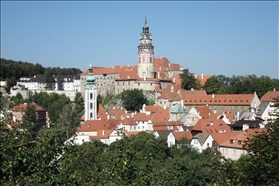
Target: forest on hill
x=12, y=70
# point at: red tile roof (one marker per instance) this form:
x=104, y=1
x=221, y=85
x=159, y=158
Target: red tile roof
x=22, y=107
x=204, y=111
x=203, y=78
x=269, y=96
x=181, y=134
x=219, y=99
x=211, y=126
x=95, y=125
x=237, y=140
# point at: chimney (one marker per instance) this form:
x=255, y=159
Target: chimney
x=274, y=89
x=201, y=75
x=214, y=111
x=211, y=123
x=158, y=75
x=173, y=79
x=171, y=88
x=165, y=107
x=213, y=96
x=182, y=102
x=103, y=132
x=108, y=117
x=245, y=127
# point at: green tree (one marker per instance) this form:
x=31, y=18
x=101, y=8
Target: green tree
x=25, y=160
x=217, y=85
x=68, y=120
x=29, y=117
x=188, y=80
x=133, y=99
x=264, y=157
x=79, y=103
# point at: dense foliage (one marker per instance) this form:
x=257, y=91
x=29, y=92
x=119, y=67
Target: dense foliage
x=12, y=70
x=133, y=99
x=188, y=80
x=249, y=84
x=136, y=160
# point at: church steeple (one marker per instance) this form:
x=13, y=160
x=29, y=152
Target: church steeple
x=90, y=79
x=90, y=97
x=145, y=28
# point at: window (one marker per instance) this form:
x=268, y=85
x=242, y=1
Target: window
x=91, y=105
x=91, y=115
x=91, y=95
x=138, y=84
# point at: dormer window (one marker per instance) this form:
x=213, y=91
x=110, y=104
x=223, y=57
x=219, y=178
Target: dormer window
x=231, y=141
x=239, y=142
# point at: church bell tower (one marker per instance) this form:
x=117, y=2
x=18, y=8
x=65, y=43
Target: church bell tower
x=90, y=97
x=145, y=53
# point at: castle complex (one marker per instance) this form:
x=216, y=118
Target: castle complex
x=149, y=73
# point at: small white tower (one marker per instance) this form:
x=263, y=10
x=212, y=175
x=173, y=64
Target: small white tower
x=90, y=97
x=145, y=54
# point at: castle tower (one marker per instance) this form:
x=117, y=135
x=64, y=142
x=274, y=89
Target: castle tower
x=145, y=53
x=90, y=97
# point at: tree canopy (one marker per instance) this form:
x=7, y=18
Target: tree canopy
x=188, y=80
x=248, y=84
x=133, y=99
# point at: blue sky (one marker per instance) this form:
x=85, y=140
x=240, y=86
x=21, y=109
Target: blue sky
x=229, y=38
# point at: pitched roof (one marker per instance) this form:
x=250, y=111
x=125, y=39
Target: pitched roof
x=101, y=112
x=251, y=123
x=203, y=111
x=219, y=99
x=112, y=70
x=237, y=140
x=181, y=134
x=262, y=107
x=104, y=134
x=95, y=125
x=163, y=133
x=220, y=138
x=201, y=137
x=178, y=108
x=211, y=126
x=151, y=108
x=203, y=78
x=142, y=117
x=22, y=107
x=269, y=96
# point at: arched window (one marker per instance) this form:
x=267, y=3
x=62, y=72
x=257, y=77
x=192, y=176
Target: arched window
x=91, y=95
x=91, y=105
x=91, y=115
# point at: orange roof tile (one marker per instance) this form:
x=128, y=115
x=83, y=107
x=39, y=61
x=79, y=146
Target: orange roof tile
x=95, y=125
x=22, y=107
x=142, y=117
x=180, y=134
x=222, y=137
x=269, y=96
x=204, y=111
x=152, y=109
x=205, y=126
x=203, y=78
x=219, y=99
x=237, y=140
x=176, y=80
x=104, y=134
